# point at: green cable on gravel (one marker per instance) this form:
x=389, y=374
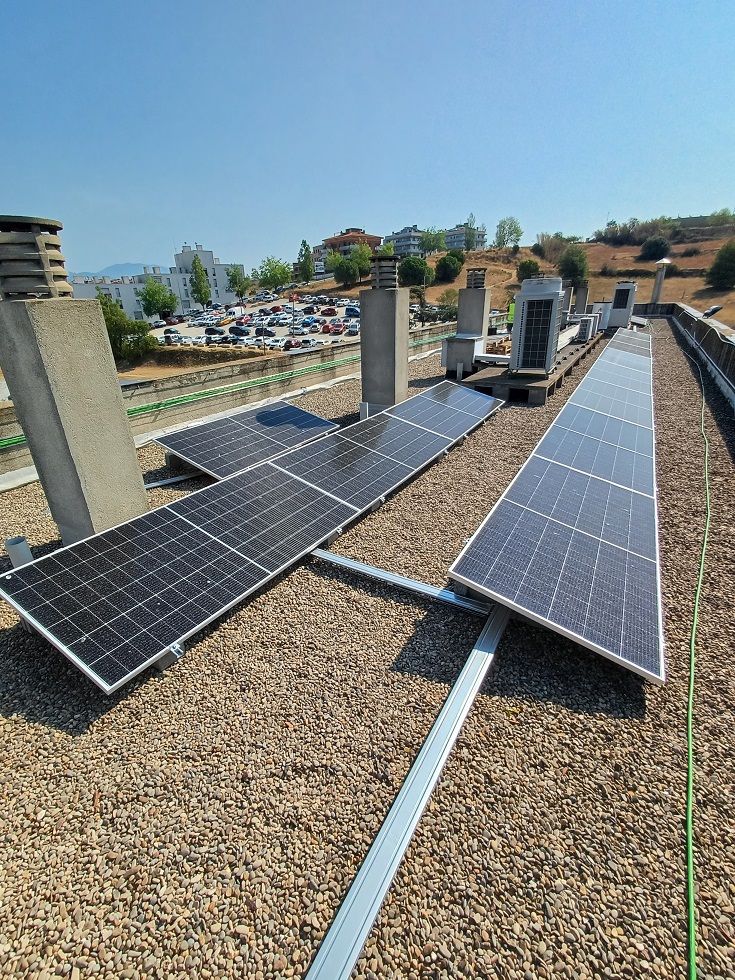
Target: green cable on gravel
x=691, y=898
x=213, y=392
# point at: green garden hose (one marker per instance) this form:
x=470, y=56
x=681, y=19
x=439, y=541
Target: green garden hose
x=691, y=898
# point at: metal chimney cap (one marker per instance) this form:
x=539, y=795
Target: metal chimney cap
x=17, y=222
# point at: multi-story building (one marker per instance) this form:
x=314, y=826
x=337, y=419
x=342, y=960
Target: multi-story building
x=406, y=241
x=455, y=237
x=344, y=243
x=124, y=290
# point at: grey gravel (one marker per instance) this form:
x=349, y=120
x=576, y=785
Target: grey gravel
x=206, y=822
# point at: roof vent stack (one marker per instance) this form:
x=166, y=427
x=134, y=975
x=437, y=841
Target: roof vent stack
x=31, y=263
x=383, y=338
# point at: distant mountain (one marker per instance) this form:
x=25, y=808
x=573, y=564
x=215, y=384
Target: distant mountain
x=116, y=271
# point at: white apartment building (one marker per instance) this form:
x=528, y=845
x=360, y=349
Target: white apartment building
x=406, y=241
x=123, y=290
x=455, y=237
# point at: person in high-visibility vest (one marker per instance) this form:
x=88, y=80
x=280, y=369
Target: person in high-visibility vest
x=511, y=315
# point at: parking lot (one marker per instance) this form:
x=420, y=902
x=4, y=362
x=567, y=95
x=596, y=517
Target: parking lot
x=272, y=322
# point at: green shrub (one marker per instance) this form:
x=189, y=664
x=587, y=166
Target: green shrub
x=654, y=248
x=448, y=268
x=528, y=269
x=687, y=253
x=721, y=274
x=413, y=271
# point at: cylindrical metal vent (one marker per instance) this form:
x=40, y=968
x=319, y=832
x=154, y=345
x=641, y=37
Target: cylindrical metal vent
x=384, y=271
x=476, y=278
x=31, y=263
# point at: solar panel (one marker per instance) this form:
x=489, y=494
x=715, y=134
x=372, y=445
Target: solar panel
x=573, y=541
x=239, y=441
x=437, y=415
x=113, y=604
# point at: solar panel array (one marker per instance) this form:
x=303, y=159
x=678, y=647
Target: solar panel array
x=236, y=442
x=113, y=604
x=573, y=542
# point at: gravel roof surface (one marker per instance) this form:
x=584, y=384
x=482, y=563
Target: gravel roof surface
x=207, y=821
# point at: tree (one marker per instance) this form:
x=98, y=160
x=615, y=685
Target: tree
x=528, y=269
x=305, y=262
x=330, y=263
x=387, y=248
x=721, y=274
x=128, y=338
x=654, y=248
x=722, y=217
x=508, y=233
x=573, y=264
x=273, y=272
x=237, y=282
x=201, y=291
x=362, y=256
x=447, y=268
x=457, y=253
x=450, y=297
x=157, y=299
x=432, y=240
x=470, y=233
x=346, y=271
x=413, y=271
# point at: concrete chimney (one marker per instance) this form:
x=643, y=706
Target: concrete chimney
x=659, y=281
x=383, y=338
x=56, y=357
x=473, y=306
x=580, y=300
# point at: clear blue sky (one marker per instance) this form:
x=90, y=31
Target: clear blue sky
x=247, y=127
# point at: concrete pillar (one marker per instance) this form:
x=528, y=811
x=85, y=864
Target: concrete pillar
x=473, y=309
x=580, y=299
x=659, y=280
x=383, y=339
x=56, y=357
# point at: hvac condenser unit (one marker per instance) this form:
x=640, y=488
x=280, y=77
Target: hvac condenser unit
x=587, y=327
x=537, y=321
x=622, y=304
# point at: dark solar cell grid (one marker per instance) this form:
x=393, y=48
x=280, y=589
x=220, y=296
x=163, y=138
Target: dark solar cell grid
x=353, y=473
x=398, y=440
x=601, y=459
x=587, y=504
x=115, y=602
x=434, y=416
x=627, y=435
x=628, y=379
x=463, y=399
x=230, y=445
x=617, y=405
x=573, y=541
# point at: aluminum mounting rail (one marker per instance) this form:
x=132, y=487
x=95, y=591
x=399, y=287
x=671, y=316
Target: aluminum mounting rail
x=341, y=947
x=410, y=584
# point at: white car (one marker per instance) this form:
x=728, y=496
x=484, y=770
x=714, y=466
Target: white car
x=342, y=302
x=276, y=343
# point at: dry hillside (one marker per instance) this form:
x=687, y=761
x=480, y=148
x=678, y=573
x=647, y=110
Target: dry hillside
x=501, y=276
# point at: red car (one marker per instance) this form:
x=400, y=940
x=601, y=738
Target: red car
x=276, y=309
x=329, y=311
x=338, y=328
x=242, y=320
x=327, y=328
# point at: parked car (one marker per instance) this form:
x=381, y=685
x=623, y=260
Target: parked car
x=265, y=332
x=352, y=311
x=329, y=311
x=342, y=302
x=338, y=328
x=291, y=343
x=171, y=331
x=327, y=328
x=314, y=328
x=353, y=330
